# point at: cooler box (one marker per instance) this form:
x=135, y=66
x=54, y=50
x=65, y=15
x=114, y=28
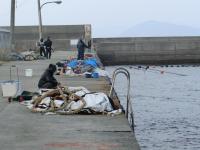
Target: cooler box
x=11, y=88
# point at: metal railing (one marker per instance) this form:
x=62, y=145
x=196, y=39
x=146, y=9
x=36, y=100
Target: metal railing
x=129, y=110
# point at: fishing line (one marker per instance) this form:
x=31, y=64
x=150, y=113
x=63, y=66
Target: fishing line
x=147, y=68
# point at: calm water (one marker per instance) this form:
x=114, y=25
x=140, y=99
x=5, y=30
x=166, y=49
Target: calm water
x=166, y=106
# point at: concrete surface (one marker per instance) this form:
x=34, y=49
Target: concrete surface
x=115, y=51
x=27, y=36
x=148, y=50
x=4, y=43
x=22, y=130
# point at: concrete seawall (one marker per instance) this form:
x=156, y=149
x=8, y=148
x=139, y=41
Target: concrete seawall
x=148, y=50
x=61, y=35
x=113, y=51
x=4, y=43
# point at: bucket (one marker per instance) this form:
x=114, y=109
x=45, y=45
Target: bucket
x=28, y=72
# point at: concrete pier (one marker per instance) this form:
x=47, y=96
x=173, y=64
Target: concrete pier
x=22, y=130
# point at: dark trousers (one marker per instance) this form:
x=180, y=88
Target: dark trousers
x=42, y=51
x=48, y=85
x=48, y=52
x=80, y=54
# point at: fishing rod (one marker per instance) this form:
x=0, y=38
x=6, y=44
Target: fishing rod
x=157, y=70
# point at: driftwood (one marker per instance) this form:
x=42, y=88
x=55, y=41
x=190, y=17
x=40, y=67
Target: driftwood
x=66, y=95
x=38, y=100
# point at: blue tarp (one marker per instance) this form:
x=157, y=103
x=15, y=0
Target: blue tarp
x=73, y=63
x=87, y=62
x=92, y=62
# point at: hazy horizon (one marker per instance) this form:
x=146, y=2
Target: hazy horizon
x=108, y=18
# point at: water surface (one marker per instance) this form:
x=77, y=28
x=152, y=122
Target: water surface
x=166, y=106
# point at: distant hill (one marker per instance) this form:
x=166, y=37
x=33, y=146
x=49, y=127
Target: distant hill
x=154, y=28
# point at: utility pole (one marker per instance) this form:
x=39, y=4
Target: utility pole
x=12, y=26
x=40, y=20
x=40, y=15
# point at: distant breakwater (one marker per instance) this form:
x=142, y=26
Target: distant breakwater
x=148, y=50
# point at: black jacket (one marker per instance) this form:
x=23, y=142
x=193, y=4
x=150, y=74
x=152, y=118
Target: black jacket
x=48, y=77
x=81, y=45
x=48, y=43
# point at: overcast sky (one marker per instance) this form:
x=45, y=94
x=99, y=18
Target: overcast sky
x=108, y=17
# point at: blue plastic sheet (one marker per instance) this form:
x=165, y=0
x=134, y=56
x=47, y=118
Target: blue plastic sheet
x=73, y=63
x=92, y=62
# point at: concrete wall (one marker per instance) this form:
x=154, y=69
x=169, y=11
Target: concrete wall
x=26, y=37
x=4, y=43
x=152, y=50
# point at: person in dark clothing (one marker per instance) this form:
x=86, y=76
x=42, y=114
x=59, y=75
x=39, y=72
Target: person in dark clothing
x=42, y=50
x=48, y=44
x=81, y=49
x=47, y=80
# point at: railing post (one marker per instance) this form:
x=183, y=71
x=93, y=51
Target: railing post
x=127, y=74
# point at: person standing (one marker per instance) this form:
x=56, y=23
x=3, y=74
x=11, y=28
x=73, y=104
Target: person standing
x=48, y=44
x=81, y=49
x=42, y=50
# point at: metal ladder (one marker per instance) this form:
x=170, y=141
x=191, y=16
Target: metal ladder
x=129, y=114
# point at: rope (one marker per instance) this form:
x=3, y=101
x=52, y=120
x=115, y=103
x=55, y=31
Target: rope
x=157, y=70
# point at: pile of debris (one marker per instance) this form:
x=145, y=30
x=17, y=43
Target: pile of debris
x=72, y=100
x=90, y=68
x=25, y=56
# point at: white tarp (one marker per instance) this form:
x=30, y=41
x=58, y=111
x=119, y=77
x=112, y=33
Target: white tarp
x=96, y=101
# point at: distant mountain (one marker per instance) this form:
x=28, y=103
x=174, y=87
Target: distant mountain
x=155, y=28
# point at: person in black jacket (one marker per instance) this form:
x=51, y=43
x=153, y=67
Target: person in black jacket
x=81, y=49
x=47, y=80
x=48, y=44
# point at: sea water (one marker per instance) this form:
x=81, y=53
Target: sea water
x=166, y=104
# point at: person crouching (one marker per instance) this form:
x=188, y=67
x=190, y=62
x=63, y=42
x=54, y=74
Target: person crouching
x=47, y=80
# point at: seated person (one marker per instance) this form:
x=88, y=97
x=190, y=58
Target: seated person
x=48, y=81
